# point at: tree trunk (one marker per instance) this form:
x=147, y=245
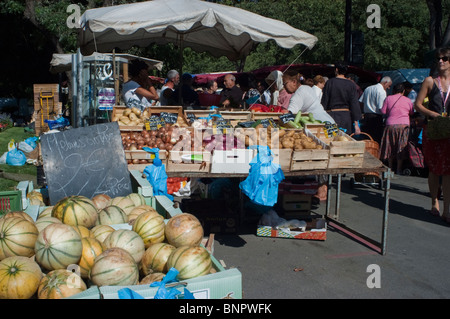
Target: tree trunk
x=446, y=37
x=435, y=37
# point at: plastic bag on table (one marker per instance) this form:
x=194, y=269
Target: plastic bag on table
x=261, y=185
x=156, y=174
x=15, y=157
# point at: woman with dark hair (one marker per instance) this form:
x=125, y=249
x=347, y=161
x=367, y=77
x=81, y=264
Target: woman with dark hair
x=397, y=110
x=139, y=91
x=437, y=152
x=340, y=100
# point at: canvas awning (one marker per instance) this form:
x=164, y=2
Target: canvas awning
x=203, y=26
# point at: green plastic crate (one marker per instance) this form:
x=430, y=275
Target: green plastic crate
x=10, y=201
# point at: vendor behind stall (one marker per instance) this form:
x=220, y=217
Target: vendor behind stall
x=139, y=91
x=303, y=98
x=232, y=95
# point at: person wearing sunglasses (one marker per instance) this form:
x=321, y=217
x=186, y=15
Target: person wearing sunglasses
x=437, y=152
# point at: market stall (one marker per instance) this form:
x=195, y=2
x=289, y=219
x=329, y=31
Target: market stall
x=218, y=144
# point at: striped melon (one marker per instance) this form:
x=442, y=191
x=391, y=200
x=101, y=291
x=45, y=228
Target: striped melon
x=136, y=211
x=127, y=240
x=17, y=237
x=150, y=226
x=100, y=232
x=155, y=258
x=76, y=210
x=101, y=201
x=190, y=261
x=43, y=222
x=147, y=280
x=91, y=249
x=60, y=283
x=19, y=214
x=19, y=277
x=58, y=246
x=83, y=231
x=123, y=202
x=111, y=215
x=137, y=199
x=47, y=212
x=114, y=267
x=184, y=230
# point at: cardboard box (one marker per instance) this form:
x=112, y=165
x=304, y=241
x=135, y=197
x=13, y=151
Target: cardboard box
x=178, y=161
x=296, y=202
x=315, y=230
x=235, y=161
x=224, y=284
x=214, y=215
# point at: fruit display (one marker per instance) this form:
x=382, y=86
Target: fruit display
x=60, y=283
x=19, y=277
x=137, y=254
x=17, y=237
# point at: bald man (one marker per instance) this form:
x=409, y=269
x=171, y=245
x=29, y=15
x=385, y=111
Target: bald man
x=231, y=95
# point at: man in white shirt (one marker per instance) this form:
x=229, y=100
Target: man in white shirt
x=372, y=101
x=303, y=98
x=167, y=95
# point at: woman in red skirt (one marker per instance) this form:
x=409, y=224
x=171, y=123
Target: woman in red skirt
x=397, y=108
x=437, y=152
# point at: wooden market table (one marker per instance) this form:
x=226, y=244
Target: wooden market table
x=370, y=165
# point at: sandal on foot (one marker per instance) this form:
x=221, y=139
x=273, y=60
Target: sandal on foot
x=434, y=211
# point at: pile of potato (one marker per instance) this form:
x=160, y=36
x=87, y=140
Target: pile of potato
x=131, y=116
x=298, y=140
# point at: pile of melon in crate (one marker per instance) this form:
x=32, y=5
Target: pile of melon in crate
x=73, y=245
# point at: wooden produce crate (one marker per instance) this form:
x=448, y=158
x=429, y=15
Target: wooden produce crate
x=346, y=154
x=175, y=162
x=310, y=159
x=118, y=110
x=46, y=105
x=318, y=131
x=283, y=157
x=236, y=116
x=178, y=110
x=265, y=115
x=143, y=159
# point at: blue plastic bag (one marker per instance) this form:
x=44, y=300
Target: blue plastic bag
x=156, y=174
x=15, y=157
x=170, y=293
x=163, y=291
x=32, y=141
x=261, y=185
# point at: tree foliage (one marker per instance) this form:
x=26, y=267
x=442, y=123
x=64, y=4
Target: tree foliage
x=34, y=29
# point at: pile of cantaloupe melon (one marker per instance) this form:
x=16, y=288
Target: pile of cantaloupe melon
x=76, y=243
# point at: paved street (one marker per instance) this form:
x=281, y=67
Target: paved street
x=416, y=264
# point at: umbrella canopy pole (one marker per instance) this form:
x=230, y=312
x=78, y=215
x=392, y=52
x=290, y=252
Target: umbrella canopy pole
x=181, y=48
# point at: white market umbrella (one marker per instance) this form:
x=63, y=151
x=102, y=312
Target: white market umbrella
x=203, y=26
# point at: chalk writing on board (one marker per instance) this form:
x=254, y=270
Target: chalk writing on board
x=86, y=161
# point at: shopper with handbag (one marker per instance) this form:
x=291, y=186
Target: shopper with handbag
x=437, y=151
x=397, y=109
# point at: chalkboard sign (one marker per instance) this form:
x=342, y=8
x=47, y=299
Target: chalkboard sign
x=85, y=161
x=287, y=117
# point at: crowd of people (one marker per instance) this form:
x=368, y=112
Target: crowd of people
x=387, y=119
